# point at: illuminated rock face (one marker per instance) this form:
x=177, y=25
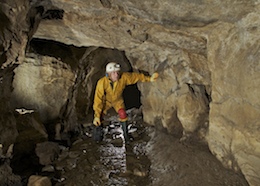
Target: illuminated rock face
x=207, y=55
x=42, y=83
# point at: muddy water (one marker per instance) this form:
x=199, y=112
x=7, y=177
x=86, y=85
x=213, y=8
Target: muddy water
x=152, y=158
x=110, y=162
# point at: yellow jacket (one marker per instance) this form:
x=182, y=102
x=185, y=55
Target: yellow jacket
x=109, y=94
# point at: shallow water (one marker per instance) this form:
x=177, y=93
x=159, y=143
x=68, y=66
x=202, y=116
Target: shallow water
x=110, y=162
x=152, y=158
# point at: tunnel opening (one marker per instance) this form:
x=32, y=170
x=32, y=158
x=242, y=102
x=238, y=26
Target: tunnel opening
x=90, y=70
x=132, y=96
x=84, y=97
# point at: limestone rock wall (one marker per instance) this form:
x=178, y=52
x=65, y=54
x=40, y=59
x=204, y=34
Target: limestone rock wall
x=206, y=52
x=234, y=111
x=42, y=83
x=13, y=40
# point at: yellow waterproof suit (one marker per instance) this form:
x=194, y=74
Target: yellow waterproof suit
x=109, y=94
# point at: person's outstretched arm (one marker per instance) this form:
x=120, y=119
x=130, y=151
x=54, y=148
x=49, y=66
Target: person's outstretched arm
x=134, y=77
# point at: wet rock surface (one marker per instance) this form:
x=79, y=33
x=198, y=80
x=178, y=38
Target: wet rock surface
x=152, y=157
x=109, y=162
x=186, y=163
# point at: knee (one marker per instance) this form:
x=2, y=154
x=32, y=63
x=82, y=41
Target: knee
x=122, y=114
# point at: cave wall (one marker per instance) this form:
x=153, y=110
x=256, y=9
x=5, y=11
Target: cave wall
x=13, y=39
x=39, y=84
x=234, y=111
x=207, y=55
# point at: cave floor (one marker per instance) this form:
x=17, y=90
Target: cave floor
x=151, y=158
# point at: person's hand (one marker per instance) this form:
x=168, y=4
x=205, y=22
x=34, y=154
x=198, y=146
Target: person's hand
x=96, y=121
x=154, y=77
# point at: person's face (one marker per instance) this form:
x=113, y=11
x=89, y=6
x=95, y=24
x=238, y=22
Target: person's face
x=114, y=76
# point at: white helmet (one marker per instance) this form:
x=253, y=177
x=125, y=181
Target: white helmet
x=112, y=67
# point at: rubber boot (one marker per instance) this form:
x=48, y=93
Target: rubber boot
x=98, y=133
x=125, y=130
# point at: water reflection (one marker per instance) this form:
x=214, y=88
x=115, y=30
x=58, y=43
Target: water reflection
x=110, y=162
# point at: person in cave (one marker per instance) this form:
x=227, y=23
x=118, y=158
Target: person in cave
x=109, y=92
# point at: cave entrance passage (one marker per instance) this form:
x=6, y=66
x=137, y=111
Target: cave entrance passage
x=132, y=96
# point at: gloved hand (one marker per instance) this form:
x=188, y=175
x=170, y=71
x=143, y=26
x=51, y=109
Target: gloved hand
x=96, y=121
x=154, y=77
